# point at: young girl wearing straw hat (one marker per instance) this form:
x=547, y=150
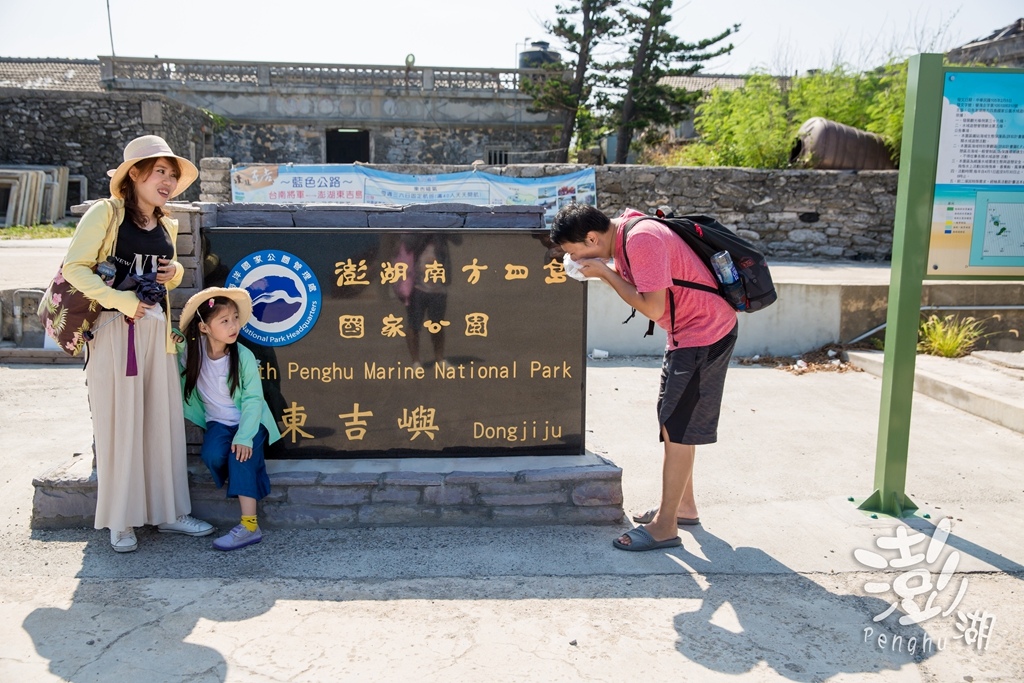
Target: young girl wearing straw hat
x=224, y=395
x=131, y=371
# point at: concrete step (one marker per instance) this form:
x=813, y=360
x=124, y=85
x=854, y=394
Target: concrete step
x=14, y=354
x=1013, y=363
x=975, y=384
x=305, y=494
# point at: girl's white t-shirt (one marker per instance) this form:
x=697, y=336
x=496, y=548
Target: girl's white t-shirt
x=213, y=389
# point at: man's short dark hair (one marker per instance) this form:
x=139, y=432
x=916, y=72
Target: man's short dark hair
x=574, y=221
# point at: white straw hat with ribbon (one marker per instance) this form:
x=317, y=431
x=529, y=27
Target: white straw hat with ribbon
x=240, y=296
x=149, y=147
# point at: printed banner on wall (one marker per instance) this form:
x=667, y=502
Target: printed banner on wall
x=347, y=184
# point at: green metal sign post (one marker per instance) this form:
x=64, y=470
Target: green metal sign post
x=958, y=209
x=918, y=160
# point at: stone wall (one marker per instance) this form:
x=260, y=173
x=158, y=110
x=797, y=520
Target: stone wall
x=792, y=214
x=789, y=214
x=306, y=144
x=460, y=146
x=252, y=143
x=87, y=132
x=215, y=180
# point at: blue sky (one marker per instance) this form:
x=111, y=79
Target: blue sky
x=782, y=36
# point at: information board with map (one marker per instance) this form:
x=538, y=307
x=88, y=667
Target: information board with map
x=978, y=211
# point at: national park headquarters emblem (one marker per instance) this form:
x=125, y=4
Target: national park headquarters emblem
x=285, y=295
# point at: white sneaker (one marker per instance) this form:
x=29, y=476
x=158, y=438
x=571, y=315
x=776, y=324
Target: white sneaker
x=188, y=525
x=123, y=541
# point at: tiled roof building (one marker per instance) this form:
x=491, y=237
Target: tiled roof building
x=76, y=75
x=705, y=82
x=1004, y=47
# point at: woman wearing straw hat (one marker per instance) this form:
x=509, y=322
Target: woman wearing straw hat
x=131, y=370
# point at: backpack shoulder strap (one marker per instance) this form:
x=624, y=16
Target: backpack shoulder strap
x=668, y=293
x=626, y=227
x=679, y=283
x=625, y=257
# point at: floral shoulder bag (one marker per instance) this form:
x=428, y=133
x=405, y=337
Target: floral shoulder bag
x=66, y=313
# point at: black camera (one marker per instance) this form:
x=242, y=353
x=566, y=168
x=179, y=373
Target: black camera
x=107, y=270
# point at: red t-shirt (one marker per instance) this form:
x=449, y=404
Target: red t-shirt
x=657, y=255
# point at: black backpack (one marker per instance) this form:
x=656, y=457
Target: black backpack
x=706, y=237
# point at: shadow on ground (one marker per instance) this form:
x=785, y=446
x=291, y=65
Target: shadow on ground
x=132, y=617
x=792, y=624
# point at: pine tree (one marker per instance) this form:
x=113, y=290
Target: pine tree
x=653, y=53
x=580, y=28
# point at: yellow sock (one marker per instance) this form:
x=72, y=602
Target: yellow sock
x=249, y=522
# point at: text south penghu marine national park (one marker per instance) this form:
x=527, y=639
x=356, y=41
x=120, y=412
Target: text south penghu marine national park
x=372, y=370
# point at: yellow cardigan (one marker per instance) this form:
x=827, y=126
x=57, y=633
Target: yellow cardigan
x=91, y=245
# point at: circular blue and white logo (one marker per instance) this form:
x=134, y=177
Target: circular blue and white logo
x=285, y=295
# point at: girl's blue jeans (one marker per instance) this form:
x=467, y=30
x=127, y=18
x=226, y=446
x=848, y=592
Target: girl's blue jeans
x=247, y=478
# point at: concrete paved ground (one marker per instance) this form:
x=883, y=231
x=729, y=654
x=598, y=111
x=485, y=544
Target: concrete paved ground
x=30, y=264
x=768, y=589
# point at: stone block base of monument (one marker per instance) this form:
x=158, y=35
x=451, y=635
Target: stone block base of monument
x=485, y=491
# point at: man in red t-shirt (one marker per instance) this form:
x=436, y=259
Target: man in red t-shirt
x=701, y=337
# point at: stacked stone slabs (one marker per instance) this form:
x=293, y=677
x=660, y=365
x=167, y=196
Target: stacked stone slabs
x=55, y=190
x=10, y=189
x=25, y=203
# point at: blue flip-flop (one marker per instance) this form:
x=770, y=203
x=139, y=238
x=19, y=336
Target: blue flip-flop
x=641, y=539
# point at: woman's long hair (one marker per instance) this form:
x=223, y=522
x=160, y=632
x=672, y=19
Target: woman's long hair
x=131, y=201
x=193, y=338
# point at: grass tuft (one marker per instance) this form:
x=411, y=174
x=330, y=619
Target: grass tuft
x=950, y=336
x=36, y=232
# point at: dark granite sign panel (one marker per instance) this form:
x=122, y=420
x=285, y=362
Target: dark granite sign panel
x=376, y=343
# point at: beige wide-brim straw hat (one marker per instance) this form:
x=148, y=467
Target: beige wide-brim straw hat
x=148, y=147
x=240, y=296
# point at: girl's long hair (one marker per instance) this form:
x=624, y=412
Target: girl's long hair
x=193, y=338
x=131, y=201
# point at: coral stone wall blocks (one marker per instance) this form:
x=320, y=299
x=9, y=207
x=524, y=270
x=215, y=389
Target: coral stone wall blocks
x=88, y=131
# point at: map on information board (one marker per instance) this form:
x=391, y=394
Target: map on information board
x=977, y=226
x=999, y=230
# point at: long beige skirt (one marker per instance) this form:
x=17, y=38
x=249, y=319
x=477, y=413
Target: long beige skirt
x=138, y=425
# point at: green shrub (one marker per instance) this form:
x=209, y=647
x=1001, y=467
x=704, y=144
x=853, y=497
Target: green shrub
x=885, y=113
x=836, y=95
x=756, y=125
x=747, y=127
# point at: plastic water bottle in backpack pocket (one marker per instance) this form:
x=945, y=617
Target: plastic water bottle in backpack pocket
x=726, y=273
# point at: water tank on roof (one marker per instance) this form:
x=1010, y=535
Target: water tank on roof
x=830, y=145
x=538, y=56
